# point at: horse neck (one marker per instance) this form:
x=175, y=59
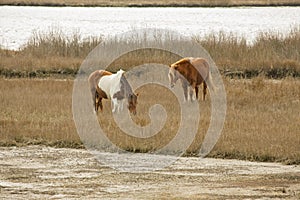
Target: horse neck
x=126, y=87
x=109, y=83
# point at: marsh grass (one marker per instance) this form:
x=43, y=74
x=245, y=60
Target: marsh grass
x=262, y=121
x=56, y=43
x=36, y=112
x=47, y=53
x=273, y=55
x=148, y=96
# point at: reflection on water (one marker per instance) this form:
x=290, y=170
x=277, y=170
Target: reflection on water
x=18, y=23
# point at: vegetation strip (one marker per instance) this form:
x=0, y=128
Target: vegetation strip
x=71, y=73
x=49, y=54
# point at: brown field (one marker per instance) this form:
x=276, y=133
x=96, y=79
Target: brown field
x=143, y=3
x=262, y=121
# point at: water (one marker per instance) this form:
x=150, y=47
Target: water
x=18, y=23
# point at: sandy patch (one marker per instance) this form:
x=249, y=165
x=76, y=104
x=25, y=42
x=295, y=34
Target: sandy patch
x=39, y=172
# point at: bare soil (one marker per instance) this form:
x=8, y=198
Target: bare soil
x=40, y=172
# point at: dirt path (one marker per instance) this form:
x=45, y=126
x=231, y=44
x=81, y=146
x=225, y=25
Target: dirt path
x=39, y=172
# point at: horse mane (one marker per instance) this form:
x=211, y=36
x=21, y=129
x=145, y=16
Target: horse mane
x=119, y=76
x=104, y=73
x=125, y=88
x=182, y=61
x=184, y=67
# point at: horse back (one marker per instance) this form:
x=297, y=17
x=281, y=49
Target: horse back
x=195, y=70
x=94, y=80
x=201, y=69
x=104, y=73
x=96, y=75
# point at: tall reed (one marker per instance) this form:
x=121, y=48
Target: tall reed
x=56, y=43
x=272, y=54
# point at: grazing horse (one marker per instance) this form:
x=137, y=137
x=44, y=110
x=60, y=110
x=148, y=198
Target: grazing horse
x=116, y=88
x=192, y=72
x=97, y=93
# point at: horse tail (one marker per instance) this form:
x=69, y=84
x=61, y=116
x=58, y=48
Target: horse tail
x=208, y=80
x=210, y=83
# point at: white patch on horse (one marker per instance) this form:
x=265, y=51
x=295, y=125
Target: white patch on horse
x=111, y=85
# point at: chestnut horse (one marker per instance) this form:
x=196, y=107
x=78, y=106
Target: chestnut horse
x=115, y=88
x=192, y=72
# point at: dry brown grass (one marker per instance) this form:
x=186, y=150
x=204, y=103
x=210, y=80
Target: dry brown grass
x=262, y=118
x=151, y=3
x=272, y=54
x=36, y=111
x=50, y=52
x=262, y=121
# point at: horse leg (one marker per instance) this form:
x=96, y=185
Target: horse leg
x=196, y=91
x=100, y=104
x=204, y=90
x=114, y=104
x=185, y=91
x=121, y=104
x=96, y=101
x=195, y=87
x=190, y=93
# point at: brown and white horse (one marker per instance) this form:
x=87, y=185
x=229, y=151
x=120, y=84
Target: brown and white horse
x=192, y=72
x=115, y=87
x=97, y=93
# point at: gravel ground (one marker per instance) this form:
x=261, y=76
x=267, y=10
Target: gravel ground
x=40, y=172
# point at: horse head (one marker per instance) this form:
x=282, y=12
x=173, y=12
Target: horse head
x=173, y=75
x=132, y=102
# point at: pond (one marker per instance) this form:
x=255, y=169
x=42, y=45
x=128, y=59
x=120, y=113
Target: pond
x=17, y=23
